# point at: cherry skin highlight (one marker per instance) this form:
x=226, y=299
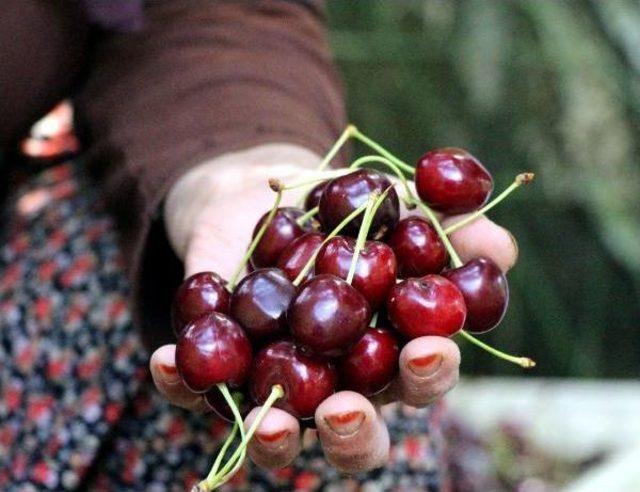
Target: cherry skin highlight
x=375, y=273
x=429, y=305
x=210, y=350
x=313, y=197
x=202, y=293
x=282, y=229
x=306, y=381
x=371, y=364
x=298, y=253
x=327, y=316
x=260, y=301
x=485, y=290
x=418, y=248
x=344, y=194
x=452, y=181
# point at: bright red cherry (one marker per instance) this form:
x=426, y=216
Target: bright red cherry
x=452, y=181
x=281, y=231
x=429, y=305
x=260, y=301
x=371, y=364
x=327, y=316
x=219, y=405
x=306, y=381
x=298, y=253
x=485, y=290
x=202, y=293
x=375, y=273
x=210, y=350
x=418, y=248
x=346, y=193
x=313, y=197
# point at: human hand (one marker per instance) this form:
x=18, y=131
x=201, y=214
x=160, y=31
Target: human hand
x=210, y=214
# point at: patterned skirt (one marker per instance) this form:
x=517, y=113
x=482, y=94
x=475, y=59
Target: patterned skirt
x=77, y=406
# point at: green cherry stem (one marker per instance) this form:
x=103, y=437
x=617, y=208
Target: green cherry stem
x=332, y=234
x=362, y=235
x=525, y=362
x=455, y=259
x=374, y=320
x=382, y=151
x=521, y=179
x=316, y=177
x=346, y=134
x=229, y=469
x=223, y=450
x=276, y=186
x=387, y=162
x=304, y=218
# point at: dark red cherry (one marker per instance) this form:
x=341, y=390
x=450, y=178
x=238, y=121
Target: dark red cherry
x=282, y=229
x=429, y=305
x=452, y=181
x=313, y=197
x=327, y=316
x=260, y=301
x=202, y=293
x=485, y=290
x=306, y=381
x=418, y=248
x=298, y=253
x=375, y=273
x=371, y=364
x=346, y=193
x=219, y=405
x=210, y=350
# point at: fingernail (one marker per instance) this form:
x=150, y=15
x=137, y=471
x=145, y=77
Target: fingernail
x=169, y=373
x=425, y=366
x=346, y=423
x=273, y=439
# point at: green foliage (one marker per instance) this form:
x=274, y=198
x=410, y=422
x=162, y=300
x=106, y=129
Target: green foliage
x=542, y=85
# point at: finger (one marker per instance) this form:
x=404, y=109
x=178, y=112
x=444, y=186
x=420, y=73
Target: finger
x=277, y=439
x=483, y=237
x=166, y=378
x=353, y=434
x=429, y=367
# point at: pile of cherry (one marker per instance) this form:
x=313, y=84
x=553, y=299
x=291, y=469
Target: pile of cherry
x=334, y=290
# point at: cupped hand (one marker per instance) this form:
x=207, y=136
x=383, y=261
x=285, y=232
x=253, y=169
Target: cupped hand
x=210, y=214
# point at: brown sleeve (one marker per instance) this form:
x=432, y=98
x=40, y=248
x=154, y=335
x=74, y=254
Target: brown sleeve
x=202, y=78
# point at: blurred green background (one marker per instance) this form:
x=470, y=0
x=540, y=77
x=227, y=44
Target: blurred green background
x=542, y=85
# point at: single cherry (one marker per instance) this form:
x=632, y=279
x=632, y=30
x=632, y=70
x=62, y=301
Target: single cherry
x=260, y=301
x=313, y=197
x=202, y=293
x=485, y=290
x=298, y=253
x=210, y=350
x=429, y=305
x=418, y=248
x=452, y=181
x=282, y=229
x=371, y=364
x=344, y=194
x=306, y=381
x=327, y=316
x=219, y=405
x=375, y=273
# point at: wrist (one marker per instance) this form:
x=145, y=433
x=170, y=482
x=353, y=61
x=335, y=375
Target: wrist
x=224, y=178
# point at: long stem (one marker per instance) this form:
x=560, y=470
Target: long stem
x=346, y=134
x=332, y=234
x=316, y=177
x=304, y=218
x=227, y=470
x=525, y=362
x=524, y=178
x=223, y=450
x=382, y=151
x=256, y=240
x=362, y=237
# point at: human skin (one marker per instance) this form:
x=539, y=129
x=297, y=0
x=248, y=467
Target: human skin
x=210, y=214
